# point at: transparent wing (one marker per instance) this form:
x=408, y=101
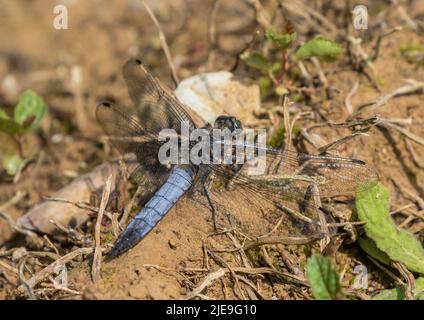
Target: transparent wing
x=285, y=195
x=125, y=132
x=154, y=104
x=135, y=130
x=334, y=176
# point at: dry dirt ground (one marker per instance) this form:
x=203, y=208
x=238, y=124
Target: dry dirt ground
x=173, y=259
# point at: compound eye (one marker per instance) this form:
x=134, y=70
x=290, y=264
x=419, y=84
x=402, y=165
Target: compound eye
x=220, y=119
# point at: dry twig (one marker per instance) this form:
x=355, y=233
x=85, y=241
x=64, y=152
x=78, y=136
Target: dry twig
x=163, y=43
x=410, y=280
x=413, y=87
x=280, y=240
x=97, y=258
x=47, y=271
x=16, y=199
x=261, y=16
x=212, y=36
x=130, y=205
x=348, y=100
x=210, y=278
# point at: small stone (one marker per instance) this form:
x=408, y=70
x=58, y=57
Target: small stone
x=172, y=244
x=211, y=94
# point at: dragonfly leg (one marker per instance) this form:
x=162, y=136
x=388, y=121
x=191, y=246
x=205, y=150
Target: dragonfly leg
x=302, y=167
x=312, y=192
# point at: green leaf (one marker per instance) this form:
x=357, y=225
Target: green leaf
x=30, y=110
x=319, y=47
x=413, y=53
x=323, y=279
x=276, y=68
x=6, y=125
x=281, y=40
x=256, y=60
x=281, y=90
x=400, y=245
x=277, y=138
x=265, y=86
x=371, y=249
x=9, y=126
x=3, y=114
x=11, y=163
x=412, y=47
x=398, y=293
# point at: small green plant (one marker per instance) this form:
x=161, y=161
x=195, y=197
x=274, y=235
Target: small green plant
x=322, y=277
x=319, y=47
x=386, y=242
x=27, y=116
x=399, y=293
x=372, y=250
x=274, y=72
x=413, y=53
x=277, y=139
x=397, y=244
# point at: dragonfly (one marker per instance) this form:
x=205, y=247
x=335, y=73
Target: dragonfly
x=274, y=202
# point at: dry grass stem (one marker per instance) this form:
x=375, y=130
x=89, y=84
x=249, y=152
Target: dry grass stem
x=97, y=257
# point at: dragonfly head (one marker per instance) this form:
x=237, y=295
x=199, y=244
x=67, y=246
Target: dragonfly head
x=223, y=122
